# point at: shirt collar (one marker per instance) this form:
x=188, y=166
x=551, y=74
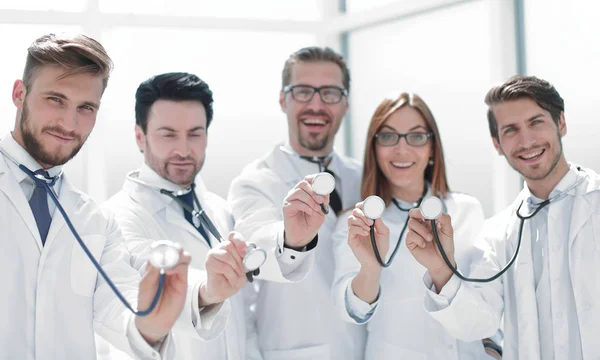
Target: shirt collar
x=305, y=166
x=21, y=156
x=566, y=183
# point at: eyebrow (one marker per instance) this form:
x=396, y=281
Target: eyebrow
x=534, y=117
x=64, y=97
x=411, y=129
x=173, y=130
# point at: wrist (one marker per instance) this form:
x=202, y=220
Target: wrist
x=299, y=245
x=150, y=338
x=204, y=298
x=440, y=276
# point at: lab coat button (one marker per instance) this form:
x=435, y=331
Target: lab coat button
x=556, y=282
x=562, y=349
x=292, y=257
x=555, y=249
x=558, y=315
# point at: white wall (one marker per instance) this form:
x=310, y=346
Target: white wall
x=563, y=48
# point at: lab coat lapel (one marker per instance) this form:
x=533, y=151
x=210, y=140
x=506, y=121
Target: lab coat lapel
x=13, y=191
x=524, y=287
x=70, y=199
x=582, y=211
x=281, y=164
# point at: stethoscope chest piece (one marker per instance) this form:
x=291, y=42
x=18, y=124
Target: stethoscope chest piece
x=373, y=207
x=431, y=208
x=254, y=258
x=323, y=183
x=164, y=254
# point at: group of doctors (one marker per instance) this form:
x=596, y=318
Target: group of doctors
x=327, y=290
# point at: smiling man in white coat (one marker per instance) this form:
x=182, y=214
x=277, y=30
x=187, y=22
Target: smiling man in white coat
x=549, y=297
x=54, y=299
x=173, y=114
x=298, y=321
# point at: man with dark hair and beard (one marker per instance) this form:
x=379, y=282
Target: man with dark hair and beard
x=173, y=114
x=548, y=299
x=53, y=299
x=298, y=321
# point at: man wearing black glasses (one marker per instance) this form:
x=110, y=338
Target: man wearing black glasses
x=296, y=319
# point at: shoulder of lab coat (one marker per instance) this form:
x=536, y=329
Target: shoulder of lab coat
x=255, y=199
x=136, y=224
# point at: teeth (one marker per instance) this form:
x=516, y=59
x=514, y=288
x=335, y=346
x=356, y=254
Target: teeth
x=532, y=155
x=402, y=164
x=314, y=122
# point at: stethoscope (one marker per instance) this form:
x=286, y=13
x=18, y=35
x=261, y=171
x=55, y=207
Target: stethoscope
x=164, y=255
x=432, y=208
x=375, y=205
x=323, y=183
x=254, y=257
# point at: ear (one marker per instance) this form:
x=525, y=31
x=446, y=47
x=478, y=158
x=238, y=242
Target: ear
x=282, y=103
x=562, y=125
x=497, y=146
x=140, y=138
x=19, y=93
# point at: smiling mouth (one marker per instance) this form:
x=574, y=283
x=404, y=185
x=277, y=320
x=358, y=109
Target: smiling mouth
x=532, y=155
x=402, y=165
x=314, y=122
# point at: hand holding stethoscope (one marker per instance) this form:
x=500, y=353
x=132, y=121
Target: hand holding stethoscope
x=305, y=208
x=359, y=239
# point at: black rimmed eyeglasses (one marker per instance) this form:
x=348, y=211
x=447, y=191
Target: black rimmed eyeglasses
x=388, y=138
x=305, y=93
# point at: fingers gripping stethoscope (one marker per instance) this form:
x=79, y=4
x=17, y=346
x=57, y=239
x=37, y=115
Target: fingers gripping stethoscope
x=373, y=208
x=432, y=208
x=164, y=255
x=323, y=183
x=254, y=257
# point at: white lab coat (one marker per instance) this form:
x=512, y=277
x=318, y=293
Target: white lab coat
x=296, y=320
x=143, y=213
x=53, y=298
x=400, y=328
x=475, y=310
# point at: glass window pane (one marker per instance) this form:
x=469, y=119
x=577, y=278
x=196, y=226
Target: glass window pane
x=41, y=5
x=267, y=9
x=444, y=57
x=568, y=56
x=243, y=69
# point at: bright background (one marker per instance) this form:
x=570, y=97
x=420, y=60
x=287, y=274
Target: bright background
x=449, y=52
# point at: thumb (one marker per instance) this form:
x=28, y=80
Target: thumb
x=240, y=244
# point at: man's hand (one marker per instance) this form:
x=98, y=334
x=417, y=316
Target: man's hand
x=159, y=322
x=302, y=214
x=226, y=274
x=419, y=241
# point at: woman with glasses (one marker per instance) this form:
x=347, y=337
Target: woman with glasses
x=403, y=162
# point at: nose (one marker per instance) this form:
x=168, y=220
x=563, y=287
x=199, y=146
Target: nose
x=402, y=146
x=315, y=103
x=526, y=138
x=182, y=147
x=68, y=120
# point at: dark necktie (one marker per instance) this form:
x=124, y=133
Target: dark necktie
x=39, y=207
x=189, y=200
x=334, y=198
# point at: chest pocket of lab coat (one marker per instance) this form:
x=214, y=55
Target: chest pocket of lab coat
x=83, y=272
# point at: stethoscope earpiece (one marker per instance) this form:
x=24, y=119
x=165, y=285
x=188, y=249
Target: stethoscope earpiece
x=431, y=208
x=373, y=207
